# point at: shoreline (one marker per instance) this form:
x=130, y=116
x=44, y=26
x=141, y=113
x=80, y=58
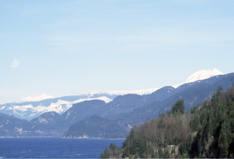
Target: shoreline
x=46, y=137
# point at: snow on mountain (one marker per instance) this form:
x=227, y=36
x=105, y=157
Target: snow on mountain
x=203, y=74
x=31, y=109
x=103, y=98
x=59, y=107
x=43, y=96
x=139, y=92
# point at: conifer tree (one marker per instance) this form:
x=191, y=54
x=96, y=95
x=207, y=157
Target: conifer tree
x=178, y=106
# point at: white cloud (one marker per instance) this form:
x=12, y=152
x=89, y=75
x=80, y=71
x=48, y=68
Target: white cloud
x=15, y=63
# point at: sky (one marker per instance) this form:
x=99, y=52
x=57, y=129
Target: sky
x=70, y=47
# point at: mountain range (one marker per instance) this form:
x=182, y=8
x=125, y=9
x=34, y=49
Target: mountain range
x=80, y=119
x=31, y=107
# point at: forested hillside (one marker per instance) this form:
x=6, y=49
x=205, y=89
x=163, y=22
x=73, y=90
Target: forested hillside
x=96, y=127
x=208, y=131
x=214, y=124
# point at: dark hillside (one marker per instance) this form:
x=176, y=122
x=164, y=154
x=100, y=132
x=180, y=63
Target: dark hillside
x=96, y=127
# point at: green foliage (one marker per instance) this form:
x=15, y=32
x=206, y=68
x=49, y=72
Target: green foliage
x=105, y=154
x=194, y=109
x=112, y=151
x=185, y=147
x=161, y=124
x=178, y=107
x=225, y=137
x=195, y=123
x=113, y=147
x=135, y=144
x=166, y=154
x=160, y=153
x=214, y=124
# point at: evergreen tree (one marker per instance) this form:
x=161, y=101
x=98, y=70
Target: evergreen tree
x=113, y=147
x=225, y=137
x=105, y=154
x=160, y=153
x=178, y=106
x=166, y=154
x=195, y=123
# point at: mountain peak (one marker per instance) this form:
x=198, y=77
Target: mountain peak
x=36, y=98
x=203, y=74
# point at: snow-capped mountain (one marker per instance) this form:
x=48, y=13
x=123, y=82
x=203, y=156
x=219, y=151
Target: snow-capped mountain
x=200, y=75
x=203, y=74
x=31, y=107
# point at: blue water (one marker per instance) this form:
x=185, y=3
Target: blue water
x=53, y=147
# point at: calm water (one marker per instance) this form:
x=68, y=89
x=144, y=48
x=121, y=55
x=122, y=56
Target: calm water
x=53, y=147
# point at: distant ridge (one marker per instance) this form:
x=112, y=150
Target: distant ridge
x=31, y=107
x=124, y=110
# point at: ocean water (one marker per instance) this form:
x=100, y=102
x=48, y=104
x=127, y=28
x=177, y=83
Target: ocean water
x=53, y=147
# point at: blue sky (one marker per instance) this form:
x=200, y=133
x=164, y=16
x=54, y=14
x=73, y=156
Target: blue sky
x=61, y=47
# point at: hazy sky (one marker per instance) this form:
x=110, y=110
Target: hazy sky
x=69, y=47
